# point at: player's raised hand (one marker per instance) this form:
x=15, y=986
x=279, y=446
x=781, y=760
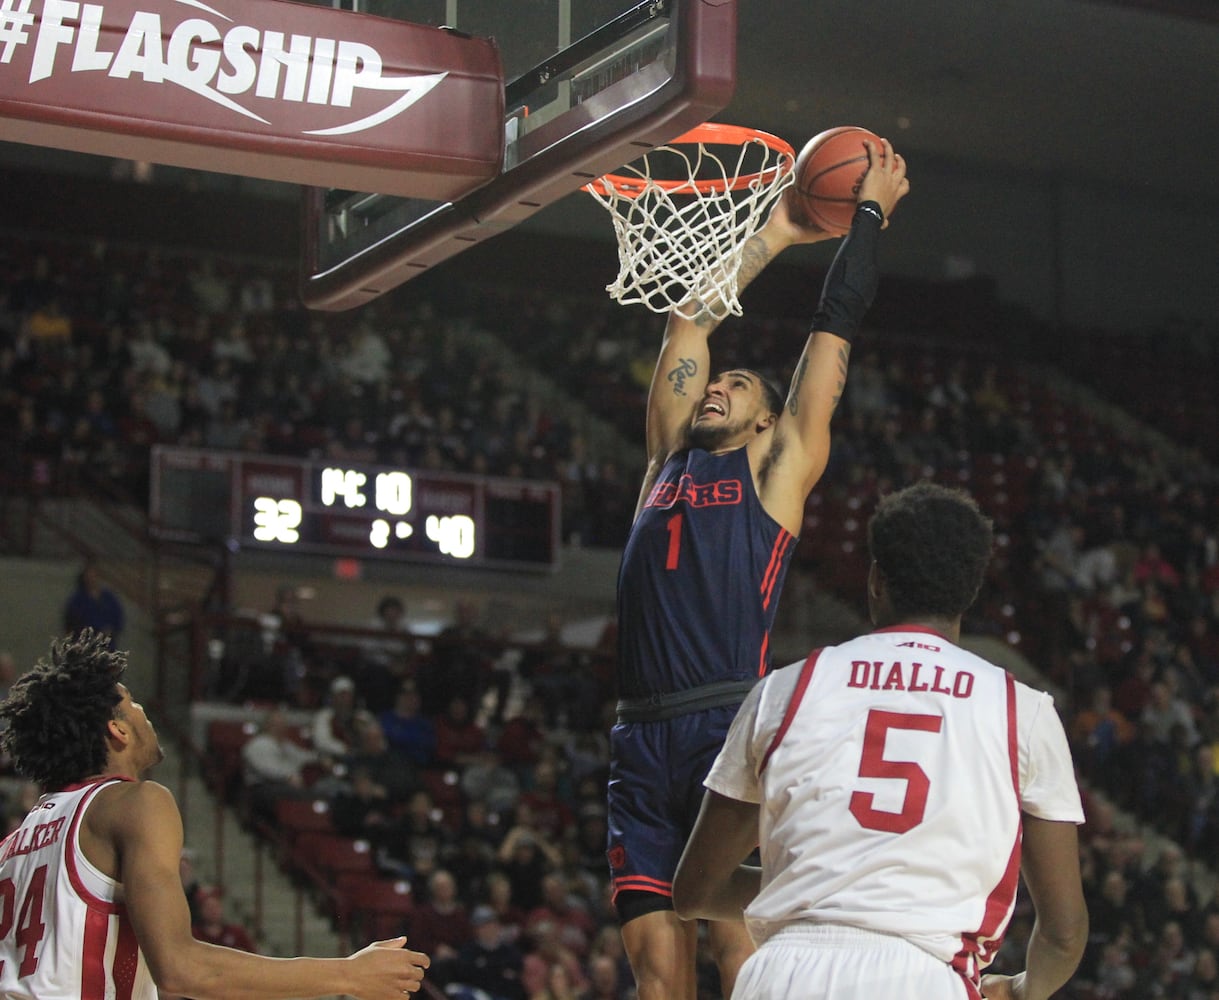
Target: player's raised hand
x=384, y=970
x=786, y=219
x=885, y=182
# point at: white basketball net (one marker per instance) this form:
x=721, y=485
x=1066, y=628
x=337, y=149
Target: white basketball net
x=680, y=247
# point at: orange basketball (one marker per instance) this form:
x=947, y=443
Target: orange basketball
x=829, y=170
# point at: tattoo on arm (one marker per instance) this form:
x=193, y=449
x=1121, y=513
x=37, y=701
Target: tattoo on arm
x=685, y=368
x=793, y=397
x=844, y=355
x=754, y=257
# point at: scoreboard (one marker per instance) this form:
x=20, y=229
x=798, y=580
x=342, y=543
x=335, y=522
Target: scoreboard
x=353, y=509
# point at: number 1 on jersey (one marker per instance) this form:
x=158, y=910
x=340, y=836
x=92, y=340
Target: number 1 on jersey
x=674, y=526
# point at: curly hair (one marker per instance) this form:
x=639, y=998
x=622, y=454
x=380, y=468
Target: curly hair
x=933, y=545
x=55, y=715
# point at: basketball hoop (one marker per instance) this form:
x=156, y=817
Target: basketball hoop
x=684, y=212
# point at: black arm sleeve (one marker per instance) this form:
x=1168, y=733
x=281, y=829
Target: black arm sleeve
x=853, y=278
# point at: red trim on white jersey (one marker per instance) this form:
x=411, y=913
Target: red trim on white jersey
x=126, y=959
x=70, y=848
x=979, y=948
x=93, y=956
x=793, y=706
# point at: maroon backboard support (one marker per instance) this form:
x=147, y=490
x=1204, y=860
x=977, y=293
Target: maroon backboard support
x=261, y=88
x=614, y=123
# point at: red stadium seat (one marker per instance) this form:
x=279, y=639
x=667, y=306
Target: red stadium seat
x=222, y=766
x=377, y=908
x=297, y=816
x=330, y=855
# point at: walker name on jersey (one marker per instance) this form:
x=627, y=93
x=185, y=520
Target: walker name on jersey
x=34, y=839
x=230, y=65
x=720, y=492
x=877, y=675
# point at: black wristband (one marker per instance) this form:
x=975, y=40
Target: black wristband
x=853, y=278
x=873, y=209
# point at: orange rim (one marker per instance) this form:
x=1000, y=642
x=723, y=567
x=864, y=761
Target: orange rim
x=715, y=133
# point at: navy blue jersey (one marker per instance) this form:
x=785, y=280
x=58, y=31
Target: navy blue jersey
x=700, y=578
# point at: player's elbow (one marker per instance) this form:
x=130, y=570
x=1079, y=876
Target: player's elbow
x=1066, y=933
x=171, y=978
x=175, y=971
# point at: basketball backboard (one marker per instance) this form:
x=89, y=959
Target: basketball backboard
x=589, y=85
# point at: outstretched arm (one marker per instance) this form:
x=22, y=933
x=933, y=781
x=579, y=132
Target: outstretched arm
x=798, y=453
x=143, y=824
x=683, y=369
x=1060, y=931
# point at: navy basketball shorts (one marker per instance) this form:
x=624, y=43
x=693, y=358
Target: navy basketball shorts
x=655, y=791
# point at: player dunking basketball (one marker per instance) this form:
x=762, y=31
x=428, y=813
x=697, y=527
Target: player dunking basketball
x=730, y=466
x=91, y=901
x=890, y=781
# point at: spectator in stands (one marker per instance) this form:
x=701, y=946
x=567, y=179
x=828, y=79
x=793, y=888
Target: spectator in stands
x=497, y=889
x=1133, y=692
x=471, y=860
x=1203, y=982
x=1099, y=733
x=604, y=980
x=212, y=927
x=413, y=848
x=408, y=731
x=1113, y=915
x=1174, y=902
x=548, y=803
x=558, y=983
x=544, y=953
x=561, y=677
x=1201, y=834
x=525, y=857
x=442, y=924
x=386, y=767
x=523, y=738
x=1116, y=975
x=1166, y=709
x=1171, y=962
x=462, y=659
x=487, y=962
x=379, y=784
x=459, y=739
x=1151, y=566
x=276, y=765
x=574, y=926
x=608, y=945
x=486, y=780
x=478, y=821
x=94, y=605
x=336, y=725
x=389, y=654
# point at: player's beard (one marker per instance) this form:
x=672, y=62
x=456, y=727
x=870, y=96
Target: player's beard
x=709, y=437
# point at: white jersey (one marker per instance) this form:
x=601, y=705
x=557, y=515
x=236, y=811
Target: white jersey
x=891, y=772
x=64, y=931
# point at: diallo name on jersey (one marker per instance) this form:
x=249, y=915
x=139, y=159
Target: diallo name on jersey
x=877, y=675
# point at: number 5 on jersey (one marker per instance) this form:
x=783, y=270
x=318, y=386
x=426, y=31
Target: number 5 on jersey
x=873, y=764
